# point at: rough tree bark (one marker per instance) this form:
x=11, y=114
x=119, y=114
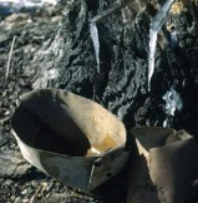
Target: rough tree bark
x=121, y=85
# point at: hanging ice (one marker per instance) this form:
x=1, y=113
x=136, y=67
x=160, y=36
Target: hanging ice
x=156, y=25
x=96, y=42
x=93, y=27
x=7, y=7
x=152, y=47
x=173, y=102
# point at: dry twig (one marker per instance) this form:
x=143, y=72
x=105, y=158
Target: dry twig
x=32, y=200
x=9, y=59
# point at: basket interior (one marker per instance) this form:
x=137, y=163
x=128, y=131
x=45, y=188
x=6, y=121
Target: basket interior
x=37, y=134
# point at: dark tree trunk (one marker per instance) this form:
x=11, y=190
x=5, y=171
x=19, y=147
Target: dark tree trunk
x=121, y=85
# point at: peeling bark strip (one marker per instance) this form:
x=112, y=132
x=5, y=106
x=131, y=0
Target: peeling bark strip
x=161, y=166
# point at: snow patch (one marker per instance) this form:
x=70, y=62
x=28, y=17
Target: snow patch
x=173, y=102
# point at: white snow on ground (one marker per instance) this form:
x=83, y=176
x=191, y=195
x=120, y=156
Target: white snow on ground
x=11, y=6
x=27, y=3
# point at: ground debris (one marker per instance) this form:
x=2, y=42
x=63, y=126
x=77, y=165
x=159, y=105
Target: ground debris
x=12, y=166
x=19, y=181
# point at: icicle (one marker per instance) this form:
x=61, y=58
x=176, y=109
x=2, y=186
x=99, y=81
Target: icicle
x=156, y=25
x=152, y=47
x=93, y=28
x=96, y=43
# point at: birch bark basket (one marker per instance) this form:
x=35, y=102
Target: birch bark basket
x=69, y=137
